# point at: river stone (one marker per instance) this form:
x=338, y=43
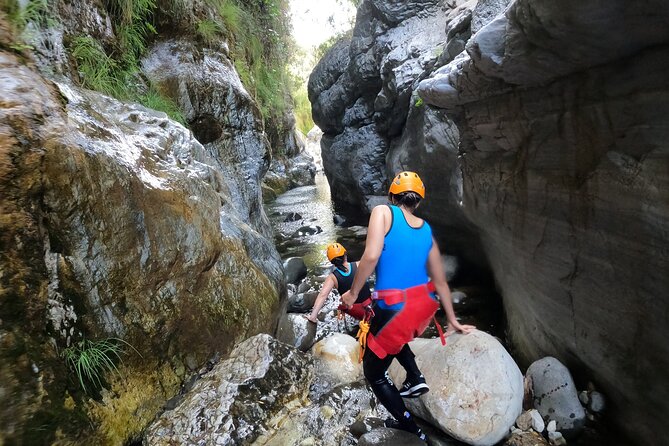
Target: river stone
x=239, y=399
x=301, y=302
x=336, y=361
x=525, y=439
x=531, y=419
x=476, y=387
x=554, y=395
x=294, y=270
x=296, y=330
x=389, y=437
x=597, y=402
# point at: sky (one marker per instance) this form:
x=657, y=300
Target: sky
x=314, y=21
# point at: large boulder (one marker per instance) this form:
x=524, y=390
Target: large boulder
x=476, y=389
x=240, y=399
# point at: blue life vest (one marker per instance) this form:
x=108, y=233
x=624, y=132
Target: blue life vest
x=403, y=261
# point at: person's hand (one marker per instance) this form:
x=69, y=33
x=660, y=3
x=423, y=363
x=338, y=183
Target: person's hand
x=457, y=327
x=310, y=318
x=348, y=299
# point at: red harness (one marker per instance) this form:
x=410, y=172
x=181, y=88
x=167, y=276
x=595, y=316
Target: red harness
x=410, y=321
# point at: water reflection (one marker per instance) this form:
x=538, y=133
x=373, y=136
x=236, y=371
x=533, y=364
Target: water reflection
x=303, y=221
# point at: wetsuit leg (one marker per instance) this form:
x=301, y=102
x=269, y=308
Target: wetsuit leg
x=407, y=359
x=375, y=371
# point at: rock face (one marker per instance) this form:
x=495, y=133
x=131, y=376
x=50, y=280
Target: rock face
x=566, y=171
x=235, y=403
x=118, y=223
x=476, y=389
x=546, y=151
x=374, y=125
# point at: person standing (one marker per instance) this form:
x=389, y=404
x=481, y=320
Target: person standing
x=409, y=271
x=341, y=279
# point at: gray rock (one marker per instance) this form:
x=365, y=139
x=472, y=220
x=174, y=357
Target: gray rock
x=297, y=331
x=294, y=270
x=301, y=302
x=531, y=419
x=583, y=397
x=485, y=11
x=597, y=402
x=477, y=416
x=556, y=439
x=552, y=426
x=237, y=401
x=304, y=286
x=389, y=437
x=555, y=395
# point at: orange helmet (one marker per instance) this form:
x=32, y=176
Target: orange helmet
x=335, y=250
x=407, y=182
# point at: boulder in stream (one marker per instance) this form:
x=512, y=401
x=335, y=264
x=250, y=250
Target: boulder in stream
x=476, y=389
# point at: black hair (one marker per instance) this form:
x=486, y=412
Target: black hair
x=338, y=262
x=408, y=199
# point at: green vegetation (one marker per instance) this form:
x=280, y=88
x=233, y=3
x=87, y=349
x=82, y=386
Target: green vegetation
x=35, y=11
x=261, y=46
x=302, y=109
x=90, y=360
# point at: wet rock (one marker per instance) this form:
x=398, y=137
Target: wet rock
x=477, y=415
x=389, y=437
x=336, y=361
x=555, y=395
x=297, y=331
x=294, y=270
x=121, y=224
x=304, y=286
x=301, y=302
x=292, y=216
x=307, y=230
x=584, y=398
x=552, y=426
x=240, y=399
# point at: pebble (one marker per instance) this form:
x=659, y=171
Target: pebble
x=583, y=397
x=596, y=403
x=552, y=425
x=556, y=438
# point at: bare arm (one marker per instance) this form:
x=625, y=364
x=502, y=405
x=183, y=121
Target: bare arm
x=436, y=271
x=328, y=285
x=379, y=222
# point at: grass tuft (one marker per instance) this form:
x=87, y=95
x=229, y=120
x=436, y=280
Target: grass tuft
x=91, y=360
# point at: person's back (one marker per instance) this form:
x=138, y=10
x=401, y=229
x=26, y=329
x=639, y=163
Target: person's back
x=403, y=261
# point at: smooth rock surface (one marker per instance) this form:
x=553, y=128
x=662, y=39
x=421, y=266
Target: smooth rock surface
x=476, y=389
x=336, y=362
x=296, y=330
x=554, y=395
